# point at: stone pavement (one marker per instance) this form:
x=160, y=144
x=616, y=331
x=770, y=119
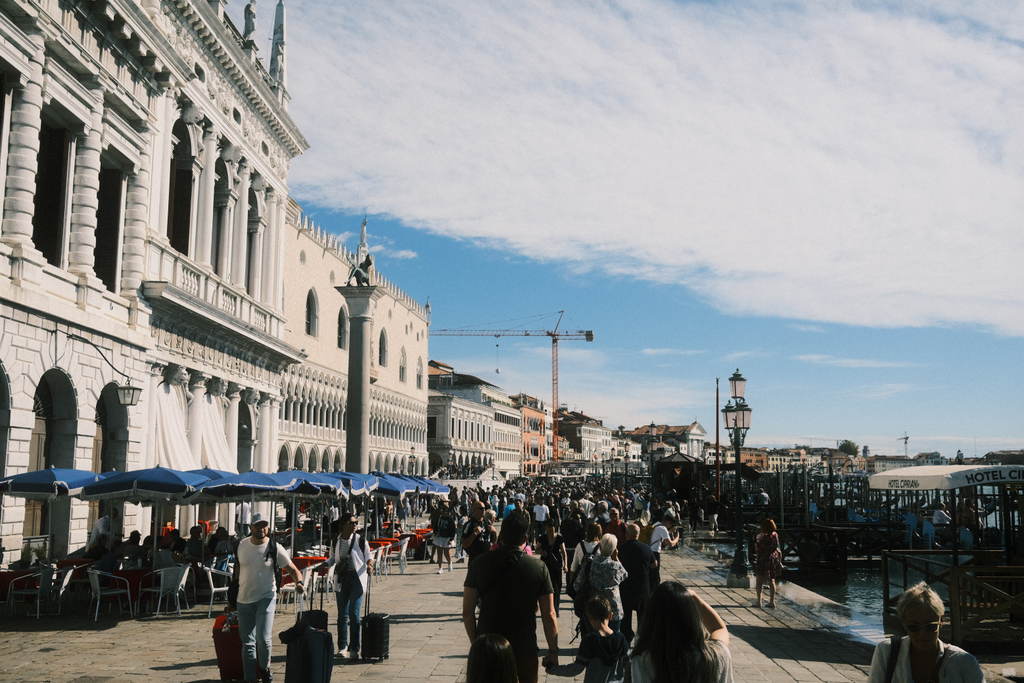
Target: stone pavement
x=428, y=642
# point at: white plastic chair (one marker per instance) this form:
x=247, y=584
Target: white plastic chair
x=403, y=550
x=214, y=588
x=325, y=582
x=65, y=586
x=172, y=583
x=41, y=591
x=379, y=569
x=99, y=593
x=290, y=588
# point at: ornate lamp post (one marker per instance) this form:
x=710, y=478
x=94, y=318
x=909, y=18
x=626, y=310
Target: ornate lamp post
x=737, y=422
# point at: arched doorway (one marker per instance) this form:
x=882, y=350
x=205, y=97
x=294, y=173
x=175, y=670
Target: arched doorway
x=5, y=417
x=52, y=444
x=283, y=459
x=110, y=445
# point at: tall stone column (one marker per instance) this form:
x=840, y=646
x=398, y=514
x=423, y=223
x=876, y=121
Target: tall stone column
x=266, y=431
x=257, y=230
x=23, y=152
x=234, y=396
x=197, y=384
x=85, y=196
x=204, y=214
x=361, y=303
x=241, y=227
x=136, y=223
x=267, y=250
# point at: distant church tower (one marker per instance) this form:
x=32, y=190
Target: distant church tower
x=278, y=62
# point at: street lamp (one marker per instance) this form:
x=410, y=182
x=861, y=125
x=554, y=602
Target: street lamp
x=737, y=421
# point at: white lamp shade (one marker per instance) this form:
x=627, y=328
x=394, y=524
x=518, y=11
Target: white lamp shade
x=742, y=416
x=737, y=383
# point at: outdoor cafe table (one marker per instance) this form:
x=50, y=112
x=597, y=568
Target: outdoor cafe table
x=135, y=578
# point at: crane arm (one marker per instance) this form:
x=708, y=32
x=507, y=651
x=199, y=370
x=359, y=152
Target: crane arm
x=585, y=335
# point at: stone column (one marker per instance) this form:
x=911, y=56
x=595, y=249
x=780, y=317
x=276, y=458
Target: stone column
x=136, y=224
x=361, y=303
x=240, y=232
x=163, y=163
x=257, y=230
x=85, y=196
x=234, y=396
x=23, y=152
x=204, y=214
x=197, y=384
x=268, y=250
x=266, y=437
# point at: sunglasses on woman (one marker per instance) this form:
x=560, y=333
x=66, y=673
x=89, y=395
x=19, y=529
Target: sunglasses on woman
x=927, y=628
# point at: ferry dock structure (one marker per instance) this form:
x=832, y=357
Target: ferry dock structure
x=428, y=642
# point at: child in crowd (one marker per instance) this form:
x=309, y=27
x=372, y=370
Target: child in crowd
x=603, y=652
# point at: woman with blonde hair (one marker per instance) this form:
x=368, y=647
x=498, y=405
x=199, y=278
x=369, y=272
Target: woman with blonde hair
x=769, y=561
x=920, y=657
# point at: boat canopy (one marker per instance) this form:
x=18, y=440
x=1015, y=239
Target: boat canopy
x=946, y=477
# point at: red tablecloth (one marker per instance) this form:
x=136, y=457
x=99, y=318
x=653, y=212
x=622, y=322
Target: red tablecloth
x=303, y=562
x=8, y=576
x=135, y=580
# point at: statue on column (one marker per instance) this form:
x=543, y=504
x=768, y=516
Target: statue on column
x=364, y=259
x=250, y=20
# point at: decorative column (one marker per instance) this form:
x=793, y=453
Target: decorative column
x=361, y=304
x=85, y=195
x=234, y=396
x=197, y=384
x=23, y=152
x=204, y=213
x=240, y=232
x=136, y=222
x=266, y=431
x=267, y=250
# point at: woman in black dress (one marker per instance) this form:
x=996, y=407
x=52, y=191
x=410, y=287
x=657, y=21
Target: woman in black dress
x=552, y=554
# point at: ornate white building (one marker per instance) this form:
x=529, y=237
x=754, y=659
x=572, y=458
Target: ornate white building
x=148, y=238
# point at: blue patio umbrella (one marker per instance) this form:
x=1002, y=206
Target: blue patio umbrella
x=47, y=484
x=212, y=474
x=151, y=485
x=390, y=486
x=358, y=484
x=251, y=486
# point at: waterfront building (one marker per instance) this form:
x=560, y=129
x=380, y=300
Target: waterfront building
x=465, y=416
x=586, y=435
x=883, y=463
x=147, y=239
x=535, y=436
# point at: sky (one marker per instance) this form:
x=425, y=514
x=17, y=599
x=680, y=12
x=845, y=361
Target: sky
x=828, y=197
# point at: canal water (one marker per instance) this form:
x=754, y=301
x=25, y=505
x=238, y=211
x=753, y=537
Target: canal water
x=854, y=607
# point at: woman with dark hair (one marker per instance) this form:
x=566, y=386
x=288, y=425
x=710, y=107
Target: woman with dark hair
x=672, y=645
x=769, y=561
x=491, y=661
x=585, y=549
x=552, y=554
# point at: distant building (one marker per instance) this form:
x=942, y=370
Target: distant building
x=534, y=433
x=586, y=435
x=884, y=463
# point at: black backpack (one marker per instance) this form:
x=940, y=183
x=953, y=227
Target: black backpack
x=446, y=527
x=585, y=591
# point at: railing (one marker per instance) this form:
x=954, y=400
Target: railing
x=167, y=265
x=987, y=604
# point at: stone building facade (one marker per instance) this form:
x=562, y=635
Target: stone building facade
x=145, y=239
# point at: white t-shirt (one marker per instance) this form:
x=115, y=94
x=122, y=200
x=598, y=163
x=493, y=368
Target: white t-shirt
x=643, y=671
x=659, y=534
x=541, y=512
x=584, y=548
x=256, y=577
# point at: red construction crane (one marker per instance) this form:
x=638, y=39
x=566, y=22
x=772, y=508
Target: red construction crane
x=585, y=335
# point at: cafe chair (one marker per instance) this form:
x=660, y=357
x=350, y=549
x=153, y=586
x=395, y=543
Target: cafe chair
x=214, y=588
x=290, y=588
x=99, y=593
x=67, y=574
x=324, y=582
x=172, y=584
x=37, y=586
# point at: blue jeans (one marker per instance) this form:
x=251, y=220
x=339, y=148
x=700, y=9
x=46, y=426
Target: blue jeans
x=350, y=601
x=255, y=628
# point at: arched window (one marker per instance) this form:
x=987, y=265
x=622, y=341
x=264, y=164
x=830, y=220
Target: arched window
x=419, y=373
x=401, y=366
x=311, y=314
x=342, y=329
x=382, y=351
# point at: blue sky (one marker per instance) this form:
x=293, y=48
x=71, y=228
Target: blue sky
x=828, y=198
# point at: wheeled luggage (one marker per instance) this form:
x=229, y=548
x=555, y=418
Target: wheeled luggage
x=228, y=646
x=310, y=654
x=376, y=633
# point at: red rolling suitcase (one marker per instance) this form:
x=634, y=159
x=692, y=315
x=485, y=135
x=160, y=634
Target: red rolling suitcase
x=228, y=645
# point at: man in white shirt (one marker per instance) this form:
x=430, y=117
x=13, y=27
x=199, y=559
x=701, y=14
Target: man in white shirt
x=540, y=518
x=257, y=561
x=243, y=517
x=941, y=517
x=664, y=534
x=104, y=527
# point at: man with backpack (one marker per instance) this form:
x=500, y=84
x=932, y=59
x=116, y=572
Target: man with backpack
x=352, y=557
x=661, y=533
x=258, y=565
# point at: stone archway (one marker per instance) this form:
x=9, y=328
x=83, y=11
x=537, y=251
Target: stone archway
x=244, y=450
x=300, y=459
x=5, y=416
x=54, y=437
x=313, y=460
x=283, y=459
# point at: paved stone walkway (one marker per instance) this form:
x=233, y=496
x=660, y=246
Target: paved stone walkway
x=428, y=642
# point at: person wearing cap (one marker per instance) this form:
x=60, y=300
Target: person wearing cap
x=353, y=561
x=257, y=595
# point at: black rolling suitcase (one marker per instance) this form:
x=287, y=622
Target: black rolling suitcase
x=376, y=636
x=310, y=649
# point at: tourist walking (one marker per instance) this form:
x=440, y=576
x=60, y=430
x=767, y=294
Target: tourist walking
x=639, y=560
x=769, y=561
x=351, y=556
x=603, y=578
x=258, y=565
x=444, y=536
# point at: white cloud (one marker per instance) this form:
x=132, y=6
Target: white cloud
x=670, y=352
x=848, y=362
x=815, y=329
x=394, y=253
x=859, y=164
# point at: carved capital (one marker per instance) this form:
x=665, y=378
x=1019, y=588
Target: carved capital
x=215, y=386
